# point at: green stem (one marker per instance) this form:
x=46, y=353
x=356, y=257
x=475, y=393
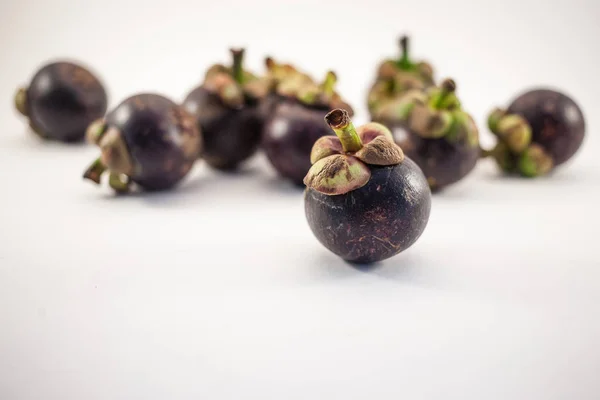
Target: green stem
x=328, y=85
x=404, y=61
x=340, y=122
x=448, y=87
x=237, y=69
x=95, y=170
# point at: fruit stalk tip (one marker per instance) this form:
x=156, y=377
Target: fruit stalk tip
x=339, y=121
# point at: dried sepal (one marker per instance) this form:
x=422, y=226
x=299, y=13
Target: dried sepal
x=115, y=154
x=324, y=147
x=380, y=151
x=371, y=130
x=337, y=174
x=429, y=123
x=535, y=161
x=226, y=88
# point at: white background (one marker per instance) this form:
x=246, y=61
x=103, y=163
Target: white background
x=219, y=290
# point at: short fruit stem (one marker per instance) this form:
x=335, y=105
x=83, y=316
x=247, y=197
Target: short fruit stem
x=448, y=87
x=340, y=122
x=21, y=101
x=404, y=61
x=328, y=85
x=95, y=171
x=237, y=69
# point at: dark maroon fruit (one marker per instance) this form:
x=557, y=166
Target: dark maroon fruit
x=295, y=125
x=61, y=101
x=434, y=131
x=148, y=140
x=227, y=111
x=364, y=200
x=540, y=130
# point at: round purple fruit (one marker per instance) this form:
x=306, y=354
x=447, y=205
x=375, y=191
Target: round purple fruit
x=228, y=113
x=147, y=140
x=364, y=200
x=61, y=101
x=540, y=130
x=435, y=132
x=295, y=124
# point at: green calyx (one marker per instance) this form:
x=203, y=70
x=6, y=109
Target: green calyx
x=444, y=97
x=397, y=76
x=21, y=101
x=313, y=94
x=515, y=152
x=340, y=164
x=234, y=85
x=534, y=161
x=432, y=114
x=114, y=158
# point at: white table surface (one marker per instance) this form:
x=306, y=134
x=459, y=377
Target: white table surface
x=219, y=290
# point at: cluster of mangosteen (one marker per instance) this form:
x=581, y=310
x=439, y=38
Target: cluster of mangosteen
x=368, y=189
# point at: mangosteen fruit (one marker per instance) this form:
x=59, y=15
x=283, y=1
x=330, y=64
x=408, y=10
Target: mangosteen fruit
x=227, y=112
x=148, y=140
x=540, y=130
x=435, y=132
x=62, y=99
x=295, y=124
x=364, y=200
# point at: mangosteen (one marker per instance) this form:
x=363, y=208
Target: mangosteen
x=61, y=100
x=147, y=140
x=295, y=124
x=540, y=130
x=435, y=132
x=227, y=112
x=364, y=200
x=396, y=76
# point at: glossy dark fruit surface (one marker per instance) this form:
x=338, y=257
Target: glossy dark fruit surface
x=231, y=135
x=62, y=100
x=162, y=139
x=556, y=122
x=289, y=135
x=443, y=162
x=376, y=221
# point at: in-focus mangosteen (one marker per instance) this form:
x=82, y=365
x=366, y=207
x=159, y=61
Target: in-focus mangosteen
x=364, y=200
x=61, y=101
x=540, y=130
x=396, y=76
x=227, y=112
x=148, y=140
x=435, y=132
x=295, y=124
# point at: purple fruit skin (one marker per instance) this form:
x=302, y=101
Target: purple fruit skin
x=231, y=135
x=155, y=133
x=556, y=121
x=63, y=99
x=376, y=221
x=289, y=136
